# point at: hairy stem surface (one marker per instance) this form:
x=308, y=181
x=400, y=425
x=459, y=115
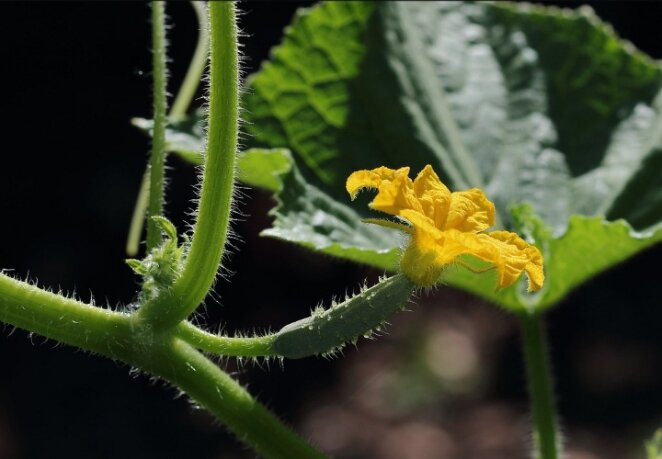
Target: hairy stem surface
x=64, y=319
x=157, y=158
x=216, y=391
x=252, y=346
x=541, y=390
x=113, y=335
x=210, y=231
x=177, y=111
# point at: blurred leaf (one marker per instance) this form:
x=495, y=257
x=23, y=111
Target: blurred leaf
x=654, y=446
x=263, y=167
x=185, y=137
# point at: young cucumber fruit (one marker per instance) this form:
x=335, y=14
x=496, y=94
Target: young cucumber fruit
x=327, y=331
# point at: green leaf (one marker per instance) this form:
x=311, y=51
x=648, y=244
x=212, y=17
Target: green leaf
x=531, y=103
x=654, y=446
x=185, y=137
x=262, y=167
x=309, y=217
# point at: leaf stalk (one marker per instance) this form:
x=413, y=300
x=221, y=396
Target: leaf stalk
x=541, y=392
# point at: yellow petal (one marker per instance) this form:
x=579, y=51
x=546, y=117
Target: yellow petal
x=518, y=256
x=427, y=254
x=396, y=195
x=371, y=179
x=470, y=211
x=445, y=226
x=431, y=250
x=433, y=195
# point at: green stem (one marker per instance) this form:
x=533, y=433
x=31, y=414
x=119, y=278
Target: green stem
x=114, y=335
x=210, y=231
x=216, y=391
x=179, y=107
x=196, y=68
x=138, y=217
x=157, y=158
x=254, y=346
x=546, y=441
x=64, y=319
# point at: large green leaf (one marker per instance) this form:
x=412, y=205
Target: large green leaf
x=533, y=104
x=530, y=103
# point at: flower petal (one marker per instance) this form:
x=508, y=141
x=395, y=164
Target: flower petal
x=433, y=195
x=516, y=256
x=445, y=226
x=470, y=211
x=396, y=195
x=420, y=260
x=371, y=179
x=432, y=249
x=427, y=254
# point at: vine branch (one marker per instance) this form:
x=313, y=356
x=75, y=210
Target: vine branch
x=538, y=371
x=157, y=158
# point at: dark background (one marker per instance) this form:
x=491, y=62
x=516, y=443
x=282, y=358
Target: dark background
x=72, y=75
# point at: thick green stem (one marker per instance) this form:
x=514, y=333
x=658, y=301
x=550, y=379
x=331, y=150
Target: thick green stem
x=210, y=231
x=64, y=319
x=541, y=392
x=216, y=391
x=157, y=158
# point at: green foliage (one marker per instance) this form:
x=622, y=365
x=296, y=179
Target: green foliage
x=309, y=217
x=654, y=446
x=492, y=95
x=184, y=135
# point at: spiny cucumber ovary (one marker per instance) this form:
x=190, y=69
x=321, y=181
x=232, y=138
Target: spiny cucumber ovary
x=325, y=332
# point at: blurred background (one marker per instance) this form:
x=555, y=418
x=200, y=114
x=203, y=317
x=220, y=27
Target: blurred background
x=447, y=381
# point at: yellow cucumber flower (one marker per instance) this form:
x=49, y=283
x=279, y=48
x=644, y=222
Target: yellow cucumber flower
x=445, y=226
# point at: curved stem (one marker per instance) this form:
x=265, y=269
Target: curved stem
x=196, y=67
x=157, y=158
x=179, y=107
x=216, y=391
x=64, y=319
x=254, y=346
x=138, y=217
x=541, y=391
x=210, y=231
